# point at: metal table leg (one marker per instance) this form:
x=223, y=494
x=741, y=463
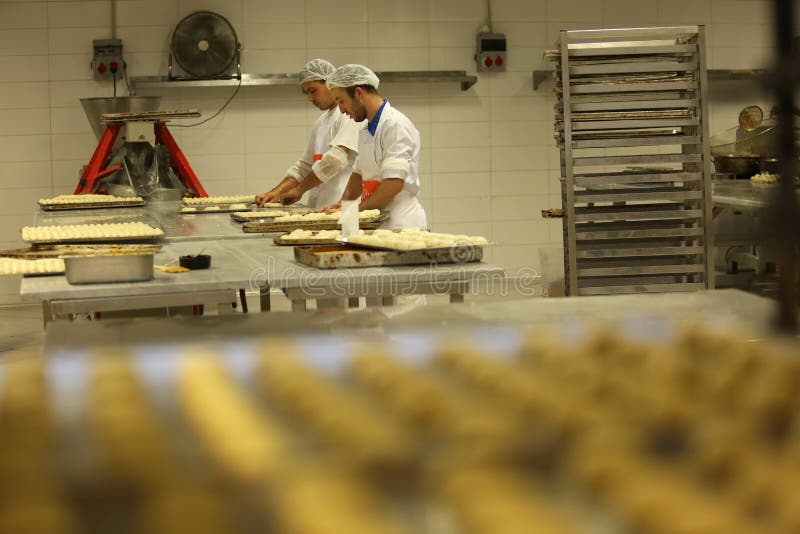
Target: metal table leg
x=47, y=314
x=243, y=298
x=264, y=299
x=456, y=298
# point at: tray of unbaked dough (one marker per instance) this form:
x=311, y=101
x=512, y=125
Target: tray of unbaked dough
x=31, y=266
x=275, y=227
x=91, y=233
x=369, y=222
x=308, y=237
x=344, y=256
x=57, y=251
x=416, y=240
x=214, y=208
x=88, y=201
x=265, y=215
x=230, y=199
x=91, y=206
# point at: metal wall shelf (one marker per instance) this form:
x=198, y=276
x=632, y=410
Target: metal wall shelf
x=163, y=82
x=541, y=76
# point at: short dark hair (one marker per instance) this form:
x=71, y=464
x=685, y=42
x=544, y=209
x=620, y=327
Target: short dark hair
x=367, y=89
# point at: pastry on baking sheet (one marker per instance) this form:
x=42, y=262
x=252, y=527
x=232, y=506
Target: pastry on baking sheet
x=86, y=199
x=311, y=235
x=73, y=232
x=319, y=216
x=248, y=199
x=414, y=239
x=10, y=266
x=261, y=214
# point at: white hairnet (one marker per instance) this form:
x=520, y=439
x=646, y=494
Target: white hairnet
x=352, y=75
x=316, y=70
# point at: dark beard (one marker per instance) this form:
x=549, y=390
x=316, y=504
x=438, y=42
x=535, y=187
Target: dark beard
x=359, y=112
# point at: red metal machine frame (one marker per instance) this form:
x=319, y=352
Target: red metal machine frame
x=96, y=167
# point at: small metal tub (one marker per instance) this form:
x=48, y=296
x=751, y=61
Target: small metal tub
x=108, y=268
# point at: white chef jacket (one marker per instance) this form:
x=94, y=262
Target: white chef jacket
x=332, y=128
x=393, y=152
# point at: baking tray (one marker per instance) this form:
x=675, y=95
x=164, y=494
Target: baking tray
x=630, y=78
x=265, y=217
x=39, y=275
x=55, y=251
x=633, y=114
x=345, y=256
x=108, y=268
x=270, y=228
x=294, y=242
x=201, y=209
x=248, y=200
x=91, y=205
x=462, y=249
x=149, y=115
x=98, y=240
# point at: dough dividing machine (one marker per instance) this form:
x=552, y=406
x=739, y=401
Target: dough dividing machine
x=136, y=154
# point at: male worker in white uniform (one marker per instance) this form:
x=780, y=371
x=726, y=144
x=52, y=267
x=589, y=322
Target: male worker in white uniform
x=325, y=166
x=388, y=149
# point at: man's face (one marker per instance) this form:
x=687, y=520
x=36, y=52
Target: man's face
x=348, y=105
x=318, y=94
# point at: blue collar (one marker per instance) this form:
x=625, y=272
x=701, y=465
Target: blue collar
x=372, y=126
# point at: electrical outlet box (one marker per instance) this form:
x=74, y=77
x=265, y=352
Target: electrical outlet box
x=107, y=62
x=490, y=52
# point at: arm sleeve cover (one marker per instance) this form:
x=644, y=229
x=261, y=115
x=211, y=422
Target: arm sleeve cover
x=299, y=170
x=395, y=168
x=333, y=162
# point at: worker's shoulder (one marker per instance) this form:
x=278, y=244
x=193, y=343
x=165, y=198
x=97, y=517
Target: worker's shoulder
x=394, y=120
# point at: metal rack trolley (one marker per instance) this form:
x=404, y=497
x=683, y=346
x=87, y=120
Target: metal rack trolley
x=631, y=124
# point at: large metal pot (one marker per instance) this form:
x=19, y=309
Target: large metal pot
x=744, y=166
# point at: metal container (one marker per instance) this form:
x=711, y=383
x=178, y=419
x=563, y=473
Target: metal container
x=102, y=269
x=745, y=166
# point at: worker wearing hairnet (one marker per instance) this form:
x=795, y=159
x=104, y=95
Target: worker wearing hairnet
x=326, y=164
x=388, y=149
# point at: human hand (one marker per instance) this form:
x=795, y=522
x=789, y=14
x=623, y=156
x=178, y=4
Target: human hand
x=291, y=196
x=269, y=196
x=332, y=208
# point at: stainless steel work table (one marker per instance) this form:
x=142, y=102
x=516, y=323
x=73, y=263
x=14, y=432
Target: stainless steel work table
x=256, y=264
x=275, y=266
x=216, y=286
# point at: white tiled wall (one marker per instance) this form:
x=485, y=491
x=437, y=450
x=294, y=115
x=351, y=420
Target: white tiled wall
x=488, y=163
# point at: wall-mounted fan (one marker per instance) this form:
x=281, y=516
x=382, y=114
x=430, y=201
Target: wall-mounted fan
x=204, y=46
